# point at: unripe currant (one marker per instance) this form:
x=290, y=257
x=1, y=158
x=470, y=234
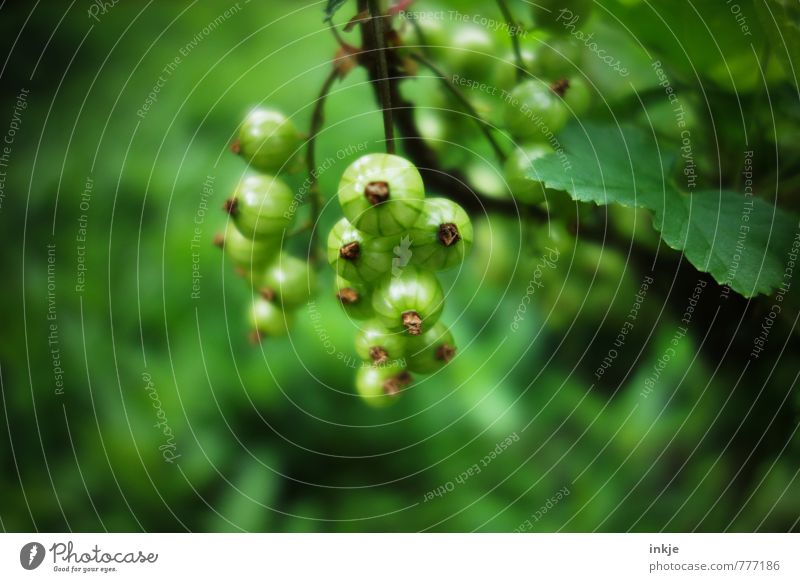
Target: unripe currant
x=261, y=206
x=377, y=345
x=380, y=386
x=268, y=141
x=381, y=194
x=355, y=299
x=431, y=351
x=247, y=255
x=442, y=236
x=288, y=280
x=558, y=58
x=519, y=173
x=411, y=301
x=267, y=319
x=534, y=110
x=575, y=93
x=358, y=256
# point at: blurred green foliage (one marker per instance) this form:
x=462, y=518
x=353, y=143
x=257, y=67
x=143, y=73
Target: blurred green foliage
x=272, y=438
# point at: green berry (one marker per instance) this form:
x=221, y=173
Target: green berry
x=431, y=351
x=442, y=236
x=472, y=49
x=267, y=319
x=381, y=194
x=377, y=345
x=412, y=300
x=247, y=255
x=288, y=280
x=358, y=256
x=355, y=299
x=535, y=111
x=261, y=206
x=575, y=93
x=268, y=141
x=380, y=386
x=558, y=58
x=524, y=187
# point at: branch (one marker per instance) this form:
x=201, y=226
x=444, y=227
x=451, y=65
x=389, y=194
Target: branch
x=468, y=107
x=521, y=69
x=381, y=73
x=317, y=121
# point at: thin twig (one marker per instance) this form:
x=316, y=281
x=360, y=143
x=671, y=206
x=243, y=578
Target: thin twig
x=382, y=73
x=468, y=107
x=512, y=26
x=317, y=121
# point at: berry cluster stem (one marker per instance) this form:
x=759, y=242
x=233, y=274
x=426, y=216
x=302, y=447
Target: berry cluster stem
x=468, y=107
x=381, y=76
x=317, y=121
x=512, y=27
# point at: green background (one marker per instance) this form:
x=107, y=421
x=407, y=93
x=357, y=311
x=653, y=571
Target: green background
x=272, y=437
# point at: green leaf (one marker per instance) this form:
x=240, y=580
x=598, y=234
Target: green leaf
x=332, y=7
x=742, y=241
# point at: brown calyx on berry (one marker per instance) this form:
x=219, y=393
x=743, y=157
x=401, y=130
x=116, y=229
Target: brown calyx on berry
x=445, y=353
x=219, y=240
x=560, y=87
x=393, y=385
x=449, y=234
x=348, y=296
x=412, y=322
x=236, y=146
x=377, y=192
x=255, y=337
x=268, y=293
x=378, y=355
x=231, y=206
x=351, y=251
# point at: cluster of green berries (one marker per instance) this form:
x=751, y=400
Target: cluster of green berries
x=386, y=251
x=531, y=107
x=261, y=210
